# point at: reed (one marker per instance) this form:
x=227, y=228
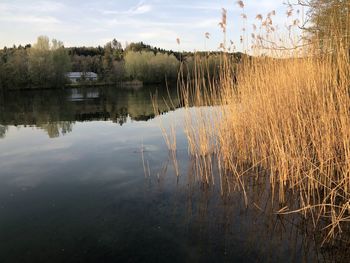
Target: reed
x=286, y=114
x=169, y=134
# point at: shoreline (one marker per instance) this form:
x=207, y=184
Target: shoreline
x=123, y=85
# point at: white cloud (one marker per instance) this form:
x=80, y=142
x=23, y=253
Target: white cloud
x=30, y=7
x=139, y=9
x=158, y=33
x=37, y=13
x=47, y=6
x=159, y=22
x=201, y=6
x=4, y=8
x=31, y=19
x=206, y=23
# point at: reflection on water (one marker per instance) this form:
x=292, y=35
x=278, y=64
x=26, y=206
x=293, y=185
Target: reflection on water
x=84, y=197
x=3, y=130
x=56, y=111
x=220, y=219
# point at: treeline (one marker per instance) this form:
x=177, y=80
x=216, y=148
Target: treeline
x=139, y=61
x=45, y=63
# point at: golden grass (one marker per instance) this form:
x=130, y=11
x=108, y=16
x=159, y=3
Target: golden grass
x=287, y=117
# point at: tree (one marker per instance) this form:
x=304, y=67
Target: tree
x=117, y=50
x=329, y=22
x=60, y=62
x=14, y=68
x=18, y=68
x=107, y=61
x=149, y=67
x=40, y=62
x=48, y=63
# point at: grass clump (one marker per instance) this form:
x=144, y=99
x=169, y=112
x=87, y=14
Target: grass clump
x=284, y=114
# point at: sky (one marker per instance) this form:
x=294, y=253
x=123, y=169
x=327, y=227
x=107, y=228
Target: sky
x=155, y=22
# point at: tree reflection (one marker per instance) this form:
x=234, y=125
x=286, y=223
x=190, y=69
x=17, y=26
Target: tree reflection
x=56, y=129
x=3, y=130
x=56, y=111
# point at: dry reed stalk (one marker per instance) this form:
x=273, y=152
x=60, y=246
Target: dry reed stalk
x=287, y=114
x=169, y=136
x=146, y=171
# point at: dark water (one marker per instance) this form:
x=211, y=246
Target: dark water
x=73, y=188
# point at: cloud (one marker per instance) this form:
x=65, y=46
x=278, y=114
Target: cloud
x=158, y=22
x=32, y=7
x=31, y=19
x=37, y=13
x=4, y=8
x=47, y=6
x=133, y=22
x=204, y=6
x=159, y=34
x=206, y=23
x=139, y=9
x=201, y=6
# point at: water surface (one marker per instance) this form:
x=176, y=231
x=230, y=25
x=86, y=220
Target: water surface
x=74, y=188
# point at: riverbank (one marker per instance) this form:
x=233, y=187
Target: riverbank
x=134, y=84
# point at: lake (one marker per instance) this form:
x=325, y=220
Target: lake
x=86, y=177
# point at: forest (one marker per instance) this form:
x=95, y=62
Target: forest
x=45, y=63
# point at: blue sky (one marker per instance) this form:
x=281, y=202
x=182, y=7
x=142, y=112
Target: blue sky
x=157, y=22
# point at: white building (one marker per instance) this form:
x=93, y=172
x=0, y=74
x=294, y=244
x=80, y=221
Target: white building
x=75, y=77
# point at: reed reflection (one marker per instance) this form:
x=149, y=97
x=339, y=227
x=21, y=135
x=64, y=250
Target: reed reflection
x=244, y=226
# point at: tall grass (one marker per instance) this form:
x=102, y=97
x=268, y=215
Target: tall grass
x=292, y=117
x=285, y=116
